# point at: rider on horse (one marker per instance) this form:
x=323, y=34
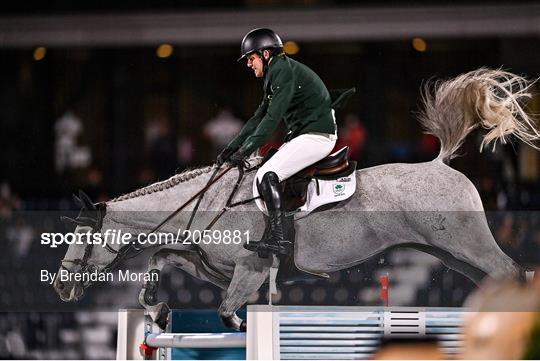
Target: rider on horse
x=294, y=93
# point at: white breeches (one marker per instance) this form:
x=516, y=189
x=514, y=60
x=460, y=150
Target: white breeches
x=297, y=154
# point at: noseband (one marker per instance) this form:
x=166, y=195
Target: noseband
x=86, y=267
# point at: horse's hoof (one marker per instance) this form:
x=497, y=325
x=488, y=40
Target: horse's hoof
x=252, y=246
x=233, y=322
x=243, y=326
x=162, y=318
x=151, y=289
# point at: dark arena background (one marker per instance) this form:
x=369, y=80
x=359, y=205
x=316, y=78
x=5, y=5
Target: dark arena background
x=109, y=97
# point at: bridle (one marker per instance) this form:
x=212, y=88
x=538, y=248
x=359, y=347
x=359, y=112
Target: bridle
x=133, y=249
x=95, y=223
x=85, y=267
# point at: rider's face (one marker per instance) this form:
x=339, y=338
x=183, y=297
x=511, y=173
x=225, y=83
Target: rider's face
x=254, y=61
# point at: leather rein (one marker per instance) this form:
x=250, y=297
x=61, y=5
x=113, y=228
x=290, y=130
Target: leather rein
x=133, y=249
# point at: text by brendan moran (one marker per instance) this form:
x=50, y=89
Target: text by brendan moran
x=120, y=275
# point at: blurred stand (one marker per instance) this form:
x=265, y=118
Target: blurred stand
x=352, y=133
x=220, y=130
x=70, y=155
x=161, y=149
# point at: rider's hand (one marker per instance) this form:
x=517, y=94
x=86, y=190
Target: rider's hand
x=238, y=159
x=225, y=155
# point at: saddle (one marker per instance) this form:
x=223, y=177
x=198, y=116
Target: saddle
x=335, y=166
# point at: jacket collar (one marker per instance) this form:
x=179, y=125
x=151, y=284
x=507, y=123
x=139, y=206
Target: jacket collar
x=275, y=59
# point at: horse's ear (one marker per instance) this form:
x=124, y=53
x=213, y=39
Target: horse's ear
x=87, y=203
x=78, y=201
x=69, y=220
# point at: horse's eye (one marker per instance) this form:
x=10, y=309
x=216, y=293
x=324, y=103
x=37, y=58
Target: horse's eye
x=92, y=268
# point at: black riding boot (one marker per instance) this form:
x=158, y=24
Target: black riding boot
x=274, y=238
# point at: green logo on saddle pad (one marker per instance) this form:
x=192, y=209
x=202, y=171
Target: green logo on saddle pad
x=339, y=189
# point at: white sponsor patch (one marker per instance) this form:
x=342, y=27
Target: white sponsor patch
x=328, y=191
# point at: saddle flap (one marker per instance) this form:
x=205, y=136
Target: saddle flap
x=330, y=189
x=308, y=193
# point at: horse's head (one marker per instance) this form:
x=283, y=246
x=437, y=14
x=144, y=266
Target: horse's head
x=83, y=258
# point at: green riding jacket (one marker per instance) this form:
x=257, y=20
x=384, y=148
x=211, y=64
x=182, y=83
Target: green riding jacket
x=294, y=93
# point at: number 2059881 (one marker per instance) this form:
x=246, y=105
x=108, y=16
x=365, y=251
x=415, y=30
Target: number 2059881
x=216, y=236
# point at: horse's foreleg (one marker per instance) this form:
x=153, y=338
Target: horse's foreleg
x=185, y=260
x=188, y=261
x=250, y=273
x=159, y=312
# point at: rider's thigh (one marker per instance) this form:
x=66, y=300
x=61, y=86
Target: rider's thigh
x=297, y=154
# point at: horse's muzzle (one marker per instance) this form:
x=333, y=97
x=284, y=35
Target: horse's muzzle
x=68, y=291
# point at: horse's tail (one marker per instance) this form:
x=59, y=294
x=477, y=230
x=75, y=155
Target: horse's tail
x=492, y=99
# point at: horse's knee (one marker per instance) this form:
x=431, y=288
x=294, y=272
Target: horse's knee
x=159, y=258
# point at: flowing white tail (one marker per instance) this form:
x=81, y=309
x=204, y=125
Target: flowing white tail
x=493, y=99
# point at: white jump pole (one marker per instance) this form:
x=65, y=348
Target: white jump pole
x=196, y=340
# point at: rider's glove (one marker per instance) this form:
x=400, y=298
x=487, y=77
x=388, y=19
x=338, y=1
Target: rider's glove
x=225, y=155
x=238, y=159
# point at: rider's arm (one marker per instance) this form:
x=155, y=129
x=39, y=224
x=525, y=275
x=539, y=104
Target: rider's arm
x=282, y=81
x=249, y=127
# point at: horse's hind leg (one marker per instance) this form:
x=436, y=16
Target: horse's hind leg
x=467, y=237
x=187, y=261
x=250, y=273
x=474, y=274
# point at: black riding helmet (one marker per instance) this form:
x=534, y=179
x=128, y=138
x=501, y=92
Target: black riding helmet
x=258, y=40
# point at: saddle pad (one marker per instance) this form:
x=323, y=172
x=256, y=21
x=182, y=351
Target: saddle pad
x=329, y=191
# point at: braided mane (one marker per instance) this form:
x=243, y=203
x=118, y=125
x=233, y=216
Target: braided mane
x=166, y=184
x=177, y=179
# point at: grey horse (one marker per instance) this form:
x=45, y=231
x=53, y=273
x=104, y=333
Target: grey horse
x=426, y=206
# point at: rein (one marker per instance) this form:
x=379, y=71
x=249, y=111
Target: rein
x=123, y=253
x=228, y=205
x=199, y=193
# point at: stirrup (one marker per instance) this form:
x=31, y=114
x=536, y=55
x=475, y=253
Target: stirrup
x=264, y=249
